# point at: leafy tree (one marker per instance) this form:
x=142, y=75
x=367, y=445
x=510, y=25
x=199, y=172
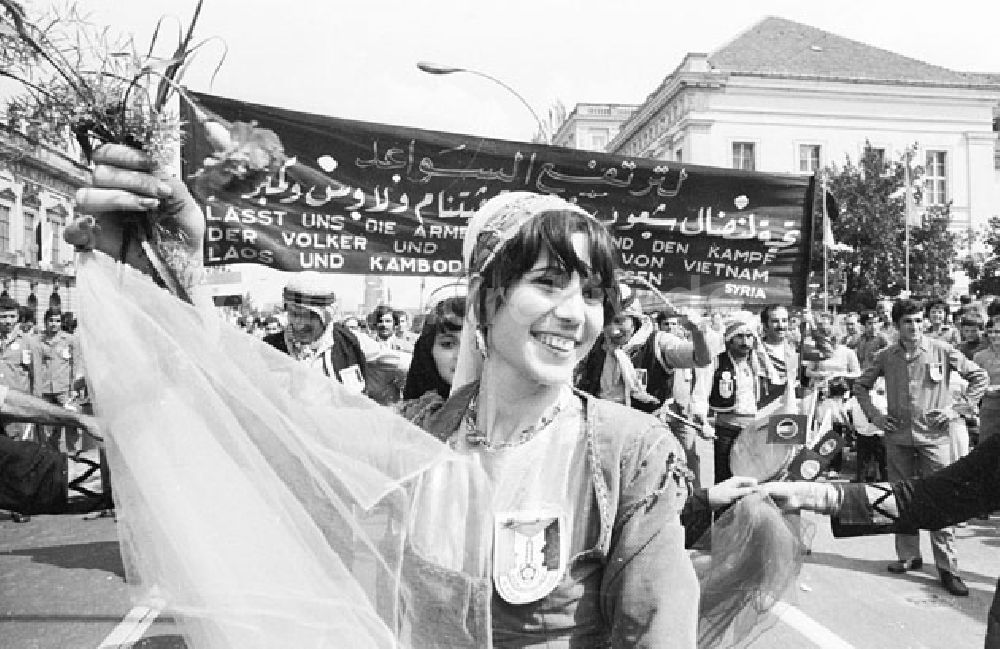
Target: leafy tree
x=984, y=268
x=871, y=197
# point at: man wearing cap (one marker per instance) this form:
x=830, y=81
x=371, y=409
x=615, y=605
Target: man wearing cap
x=739, y=386
x=15, y=359
x=312, y=335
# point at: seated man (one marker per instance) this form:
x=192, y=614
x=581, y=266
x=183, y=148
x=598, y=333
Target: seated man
x=37, y=479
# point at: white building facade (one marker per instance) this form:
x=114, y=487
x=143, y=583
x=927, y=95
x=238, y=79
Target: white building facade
x=37, y=188
x=788, y=98
x=591, y=127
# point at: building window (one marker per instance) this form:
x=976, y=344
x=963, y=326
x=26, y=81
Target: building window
x=30, y=245
x=936, y=178
x=598, y=139
x=4, y=228
x=744, y=156
x=55, y=226
x=679, y=155
x=809, y=157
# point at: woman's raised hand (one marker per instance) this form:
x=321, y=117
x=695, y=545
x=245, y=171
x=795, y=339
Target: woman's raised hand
x=127, y=185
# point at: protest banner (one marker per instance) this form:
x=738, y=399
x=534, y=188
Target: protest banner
x=346, y=196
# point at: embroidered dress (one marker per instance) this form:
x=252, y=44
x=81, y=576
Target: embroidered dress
x=613, y=474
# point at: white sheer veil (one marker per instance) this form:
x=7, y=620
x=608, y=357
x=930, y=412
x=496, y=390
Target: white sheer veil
x=262, y=505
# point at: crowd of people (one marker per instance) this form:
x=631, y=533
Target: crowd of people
x=588, y=414
x=45, y=404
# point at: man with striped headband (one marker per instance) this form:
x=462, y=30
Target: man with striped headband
x=312, y=335
x=739, y=385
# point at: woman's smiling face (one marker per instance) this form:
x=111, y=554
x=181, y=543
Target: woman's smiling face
x=547, y=322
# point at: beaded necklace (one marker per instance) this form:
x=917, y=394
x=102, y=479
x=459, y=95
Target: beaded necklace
x=475, y=437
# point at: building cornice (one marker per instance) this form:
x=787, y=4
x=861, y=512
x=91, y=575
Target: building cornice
x=19, y=152
x=881, y=82
x=692, y=73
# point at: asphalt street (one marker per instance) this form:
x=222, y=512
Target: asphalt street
x=62, y=587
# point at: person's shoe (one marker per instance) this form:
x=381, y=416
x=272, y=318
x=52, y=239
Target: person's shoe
x=899, y=567
x=954, y=584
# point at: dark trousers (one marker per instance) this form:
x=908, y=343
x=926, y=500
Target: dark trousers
x=725, y=437
x=871, y=454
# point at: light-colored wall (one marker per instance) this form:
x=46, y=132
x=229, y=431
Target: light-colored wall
x=583, y=123
x=780, y=114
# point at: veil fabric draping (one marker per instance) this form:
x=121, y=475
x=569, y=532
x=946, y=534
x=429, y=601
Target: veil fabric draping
x=264, y=505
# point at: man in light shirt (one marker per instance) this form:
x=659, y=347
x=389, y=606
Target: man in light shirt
x=918, y=421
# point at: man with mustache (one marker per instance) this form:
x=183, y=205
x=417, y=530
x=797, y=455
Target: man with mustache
x=739, y=386
x=782, y=357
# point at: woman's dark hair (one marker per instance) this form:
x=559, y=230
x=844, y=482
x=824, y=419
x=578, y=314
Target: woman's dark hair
x=552, y=232
x=446, y=317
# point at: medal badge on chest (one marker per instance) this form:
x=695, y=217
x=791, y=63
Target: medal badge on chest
x=935, y=370
x=726, y=384
x=529, y=553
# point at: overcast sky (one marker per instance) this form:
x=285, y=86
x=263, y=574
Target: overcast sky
x=357, y=59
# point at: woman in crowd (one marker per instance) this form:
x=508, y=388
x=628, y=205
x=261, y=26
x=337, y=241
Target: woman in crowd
x=435, y=357
x=435, y=352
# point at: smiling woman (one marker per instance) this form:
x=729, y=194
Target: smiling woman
x=587, y=493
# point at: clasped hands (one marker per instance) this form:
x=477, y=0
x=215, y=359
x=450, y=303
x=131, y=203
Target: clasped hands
x=936, y=417
x=788, y=496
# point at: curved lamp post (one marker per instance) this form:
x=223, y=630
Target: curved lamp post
x=434, y=68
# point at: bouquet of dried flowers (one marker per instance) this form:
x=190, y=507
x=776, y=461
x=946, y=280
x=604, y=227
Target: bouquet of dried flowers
x=80, y=80
x=81, y=84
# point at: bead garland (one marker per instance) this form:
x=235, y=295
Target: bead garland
x=475, y=437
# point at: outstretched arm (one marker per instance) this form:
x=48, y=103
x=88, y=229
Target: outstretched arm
x=953, y=494
x=21, y=406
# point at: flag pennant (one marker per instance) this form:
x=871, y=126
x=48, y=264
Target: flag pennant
x=911, y=215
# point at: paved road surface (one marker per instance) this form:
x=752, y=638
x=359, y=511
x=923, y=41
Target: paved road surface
x=62, y=587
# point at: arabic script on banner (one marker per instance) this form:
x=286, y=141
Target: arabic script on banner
x=345, y=196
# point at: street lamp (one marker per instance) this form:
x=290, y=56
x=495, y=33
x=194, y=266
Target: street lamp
x=434, y=68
